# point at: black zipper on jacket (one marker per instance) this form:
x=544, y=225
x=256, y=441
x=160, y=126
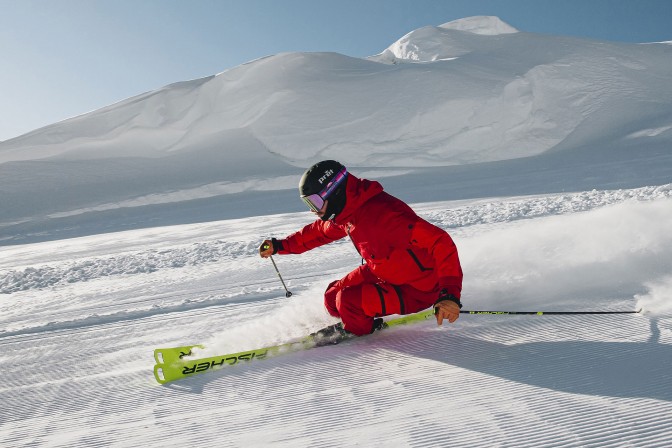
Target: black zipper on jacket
x=415, y=258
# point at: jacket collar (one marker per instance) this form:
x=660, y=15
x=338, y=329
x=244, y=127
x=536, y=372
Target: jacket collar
x=357, y=192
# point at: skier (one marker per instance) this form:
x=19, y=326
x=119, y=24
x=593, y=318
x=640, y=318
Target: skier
x=410, y=264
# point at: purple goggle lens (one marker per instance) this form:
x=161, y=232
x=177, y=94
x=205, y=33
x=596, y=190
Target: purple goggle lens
x=316, y=201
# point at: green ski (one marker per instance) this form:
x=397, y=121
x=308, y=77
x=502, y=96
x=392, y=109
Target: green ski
x=175, y=363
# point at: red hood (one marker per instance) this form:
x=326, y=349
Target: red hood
x=357, y=192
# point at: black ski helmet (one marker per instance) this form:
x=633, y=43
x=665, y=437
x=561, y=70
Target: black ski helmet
x=325, y=180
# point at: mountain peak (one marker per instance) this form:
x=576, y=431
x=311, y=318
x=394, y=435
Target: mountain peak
x=485, y=25
x=432, y=43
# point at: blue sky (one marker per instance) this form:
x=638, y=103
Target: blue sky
x=61, y=58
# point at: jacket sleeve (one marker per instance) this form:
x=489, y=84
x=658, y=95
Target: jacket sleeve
x=311, y=236
x=441, y=247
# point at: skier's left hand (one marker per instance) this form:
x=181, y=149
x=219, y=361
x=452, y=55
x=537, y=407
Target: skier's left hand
x=446, y=310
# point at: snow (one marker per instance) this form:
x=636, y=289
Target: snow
x=485, y=25
x=136, y=226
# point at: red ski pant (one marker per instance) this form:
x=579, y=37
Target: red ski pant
x=358, y=305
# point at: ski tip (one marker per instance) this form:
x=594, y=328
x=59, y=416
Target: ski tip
x=158, y=374
x=171, y=354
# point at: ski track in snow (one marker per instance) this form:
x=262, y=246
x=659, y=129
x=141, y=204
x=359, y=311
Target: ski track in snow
x=76, y=354
x=141, y=262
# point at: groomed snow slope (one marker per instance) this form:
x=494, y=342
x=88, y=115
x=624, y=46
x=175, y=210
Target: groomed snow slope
x=82, y=316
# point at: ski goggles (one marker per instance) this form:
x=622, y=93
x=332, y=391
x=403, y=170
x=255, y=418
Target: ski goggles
x=316, y=201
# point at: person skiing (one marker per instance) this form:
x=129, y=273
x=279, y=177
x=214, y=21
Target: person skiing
x=408, y=264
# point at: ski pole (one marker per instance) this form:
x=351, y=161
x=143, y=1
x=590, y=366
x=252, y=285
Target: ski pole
x=277, y=271
x=545, y=313
x=287, y=291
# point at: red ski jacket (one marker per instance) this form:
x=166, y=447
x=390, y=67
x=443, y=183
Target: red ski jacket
x=398, y=246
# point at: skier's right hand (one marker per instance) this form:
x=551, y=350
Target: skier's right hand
x=269, y=247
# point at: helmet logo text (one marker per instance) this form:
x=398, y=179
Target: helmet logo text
x=326, y=176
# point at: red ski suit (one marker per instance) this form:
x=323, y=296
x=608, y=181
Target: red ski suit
x=408, y=260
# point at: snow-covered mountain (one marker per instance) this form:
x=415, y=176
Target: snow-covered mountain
x=469, y=91
x=474, y=96
x=546, y=158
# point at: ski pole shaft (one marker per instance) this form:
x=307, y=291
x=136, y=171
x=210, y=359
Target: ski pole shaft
x=545, y=313
x=287, y=292
x=277, y=271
